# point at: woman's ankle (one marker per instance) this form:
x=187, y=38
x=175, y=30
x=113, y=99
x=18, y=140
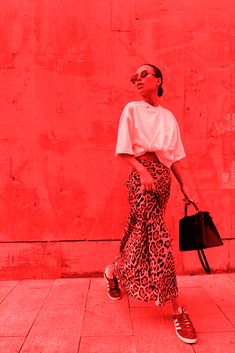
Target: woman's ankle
x=175, y=305
x=109, y=271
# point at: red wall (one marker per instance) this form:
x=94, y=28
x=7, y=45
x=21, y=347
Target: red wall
x=65, y=68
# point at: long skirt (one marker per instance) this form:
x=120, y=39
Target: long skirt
x=145, y=265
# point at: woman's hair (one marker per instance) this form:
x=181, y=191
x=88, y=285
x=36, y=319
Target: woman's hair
x=157, y=73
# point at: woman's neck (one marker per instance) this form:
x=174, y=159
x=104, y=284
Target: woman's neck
x=153, y=100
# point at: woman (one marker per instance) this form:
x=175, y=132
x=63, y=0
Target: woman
x=149, y=141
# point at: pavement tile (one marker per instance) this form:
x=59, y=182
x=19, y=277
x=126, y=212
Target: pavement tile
x=154, y=332
x=108, y=344
x=75, y=315
x=11, y=344
x=68, y=293
x=163, y=313
x=220, y=342
x=103, y=316
x=204, y=312
x=19, y=310
x=229, y=311
x=220, y=288
x=35, y=284
x=55, y=331
x=162, y=342
x=98, y=293
x=187, y=281
x=16, y=322
x=5, y=288
x=57, y=328
x=109, y=320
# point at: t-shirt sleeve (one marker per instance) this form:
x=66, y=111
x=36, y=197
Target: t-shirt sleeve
x=124, y=140
x=178, y=147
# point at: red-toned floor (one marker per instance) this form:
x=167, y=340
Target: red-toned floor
x=76, y=316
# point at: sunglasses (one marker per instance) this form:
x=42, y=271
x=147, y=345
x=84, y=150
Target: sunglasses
x=143, y=74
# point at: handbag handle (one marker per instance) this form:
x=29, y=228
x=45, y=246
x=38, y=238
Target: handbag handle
x=200, y=252
x=187, y=204
x=203, y=260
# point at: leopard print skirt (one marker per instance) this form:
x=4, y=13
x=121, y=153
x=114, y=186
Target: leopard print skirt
x=145, y=265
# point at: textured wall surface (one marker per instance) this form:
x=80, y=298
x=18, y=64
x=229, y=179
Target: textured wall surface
x=65, y=68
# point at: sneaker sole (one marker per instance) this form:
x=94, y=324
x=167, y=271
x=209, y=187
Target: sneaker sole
x=186, y=340
x=118, y=298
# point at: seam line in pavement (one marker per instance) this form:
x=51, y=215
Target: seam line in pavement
x=84, y=312
x=9, y=292
x=49, y=291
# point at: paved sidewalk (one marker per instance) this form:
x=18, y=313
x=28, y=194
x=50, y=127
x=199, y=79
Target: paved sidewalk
x=76, y=316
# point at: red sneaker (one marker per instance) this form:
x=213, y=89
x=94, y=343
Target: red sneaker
x=184, y=327
x=114, y=291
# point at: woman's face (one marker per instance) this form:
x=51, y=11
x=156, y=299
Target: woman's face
x=145, y=81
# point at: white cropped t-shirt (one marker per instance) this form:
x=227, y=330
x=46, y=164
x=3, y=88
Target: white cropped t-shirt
x=146, y=128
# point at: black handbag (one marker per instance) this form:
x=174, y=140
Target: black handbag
x=198, y=232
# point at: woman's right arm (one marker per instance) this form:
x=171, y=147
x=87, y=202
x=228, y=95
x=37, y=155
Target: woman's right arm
x=146, y=179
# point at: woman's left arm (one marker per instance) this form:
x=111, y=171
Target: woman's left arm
x=180, y=171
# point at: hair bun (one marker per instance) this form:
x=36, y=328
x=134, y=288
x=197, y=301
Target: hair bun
x=160, y=91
